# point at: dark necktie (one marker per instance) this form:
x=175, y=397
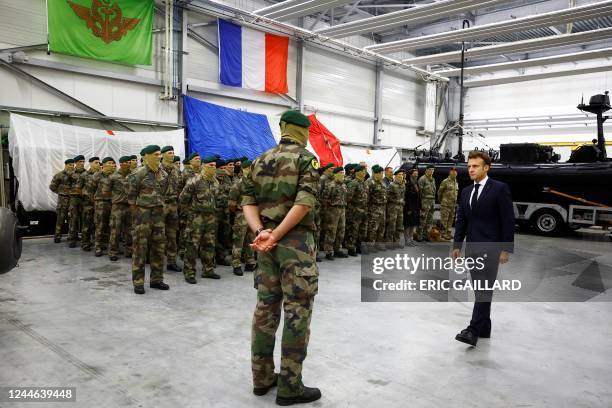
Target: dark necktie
x=474, y=196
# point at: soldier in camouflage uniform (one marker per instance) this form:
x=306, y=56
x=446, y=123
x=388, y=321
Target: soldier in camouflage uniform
x=177, y=165
x=427, y=188
x=319, y=209
x=171, y=207
x=395, y=210
x=192, y=167
x=87, y=221
x=357, y=205
x=335, y=197
x=242, y=236
x=102, y=195
x=224, y=229
x=76, y=201
x=388, y=179
x=278, y=203
x=120, y=216
x=327, y=176
x=377, y=202
x=60, y=185
x=447, y=196
x=133, y=163
x=146, y=189
x=199, y=197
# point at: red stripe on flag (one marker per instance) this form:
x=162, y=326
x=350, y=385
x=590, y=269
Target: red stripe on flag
x=277, y=48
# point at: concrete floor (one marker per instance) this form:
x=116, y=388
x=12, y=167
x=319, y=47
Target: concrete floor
x=70, y=319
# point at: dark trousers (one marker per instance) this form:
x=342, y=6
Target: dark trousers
x=481, y=313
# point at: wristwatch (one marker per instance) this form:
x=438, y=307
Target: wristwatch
x=258, y=231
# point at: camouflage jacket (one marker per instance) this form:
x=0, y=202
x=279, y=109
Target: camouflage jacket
x=174, y=182
x=281, y=177
x=100, y=186
x=357, y=196
x=118, y=186
x=377, y=193
x=427, y=188
x=448, y=191
x=61, y=183
x=85, y=185
x=235, y=195
x=75, y=187
x=199, y=195
x=323, y=180
x=147, y=187
x=395, y=194
x=225, y=184
x=186, y=175
x=335, y=194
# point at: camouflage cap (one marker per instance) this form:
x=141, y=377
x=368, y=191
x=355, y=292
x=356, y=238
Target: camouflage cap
x=69, y=161
x=124, y=159
x=296, y=118
x=167, y=149
x=149, y=149
x=176, y=158
x=93, y=159
x=338, y=169
x=107, y=159
x=79, y=158
x=377, y=169
x=192, y=156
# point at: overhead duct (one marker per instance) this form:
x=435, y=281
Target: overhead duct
x=553, y=18
x=297, y=8
x=416, y=15
x=514, y=47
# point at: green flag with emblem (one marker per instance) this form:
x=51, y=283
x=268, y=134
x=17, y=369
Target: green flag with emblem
x=111, y=30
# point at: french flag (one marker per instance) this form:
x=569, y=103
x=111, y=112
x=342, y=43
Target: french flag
x=252, y=59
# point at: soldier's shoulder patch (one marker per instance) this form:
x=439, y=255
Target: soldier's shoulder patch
x=314, y=163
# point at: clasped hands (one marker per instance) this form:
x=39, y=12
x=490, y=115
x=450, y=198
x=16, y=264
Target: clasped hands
x=264, y=242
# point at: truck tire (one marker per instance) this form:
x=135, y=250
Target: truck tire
x=547, y=222
x=10, y=240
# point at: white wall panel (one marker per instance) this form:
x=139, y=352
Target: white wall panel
x=400, y=136
x=403, y=97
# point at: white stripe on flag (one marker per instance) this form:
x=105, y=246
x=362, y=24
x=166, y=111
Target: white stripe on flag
x=253, y=59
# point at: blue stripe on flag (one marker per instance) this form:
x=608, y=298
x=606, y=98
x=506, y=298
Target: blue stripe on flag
x=230, y=53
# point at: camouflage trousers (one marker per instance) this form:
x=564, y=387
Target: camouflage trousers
x=224, y=232
x=87, y=222
x=200, y=240
x=334, y=228
x=356, y=225
x=376, y=224
x=76, y=211
x=185, y=217
x=447, y=217
x=120, y=226
x=242, y=237
x=102, y=217
x=287, y=276
x=427, y=210
x=395, y=223
x=61, y=212
x=149, y=236
x=317, y=216
x=172, y=224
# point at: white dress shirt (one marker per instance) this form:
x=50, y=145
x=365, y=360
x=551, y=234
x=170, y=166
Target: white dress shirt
x=482, y=184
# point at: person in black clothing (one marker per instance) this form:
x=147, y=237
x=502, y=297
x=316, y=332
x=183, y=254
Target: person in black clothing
x=412, y=207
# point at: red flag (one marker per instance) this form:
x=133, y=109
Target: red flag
x=110, y=133
x=324, y=143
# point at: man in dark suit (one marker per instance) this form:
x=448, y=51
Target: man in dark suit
x=485, y=220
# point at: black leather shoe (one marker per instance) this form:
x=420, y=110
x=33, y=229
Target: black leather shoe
x=250, y=267
x=468, y=337
x=139, y=290
x=191, y=280
x=259, y=391
x=72, y=244
x=159, y=285
x=329, y=257
x=238, y=271
x=114, y=258
x=211, y=276
x=99, y=253
x=174, y=267
x=352, y=252
x=309, y=395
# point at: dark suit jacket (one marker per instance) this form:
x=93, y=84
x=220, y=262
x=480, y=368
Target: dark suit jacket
x=492, y=219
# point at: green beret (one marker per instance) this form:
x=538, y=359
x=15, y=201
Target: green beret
x=209, y=159
x=185, y=161
x=133, y=157
x=176, y=158
x=107, y=159
x=149, y=149
x=296, y=118
x=246, y=163
x=398, y=171
x=327, y=166
x=221, y=163
x=243, y=159
x=349, y=166
x=124, y=159
x=69, y=161
x=377, y=169
x=79, y=158
x=192, y=156
x=167, y=149
x=430, y=166
x=358, y=168
x=338, y=169
x=93, y=159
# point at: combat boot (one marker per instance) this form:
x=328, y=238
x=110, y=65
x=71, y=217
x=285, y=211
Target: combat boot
x=352, y=252
x=308, y=395
x=191, y=280
x=238, y=271
x=329, y=256
x=72, y=244
x=222, y=261
x=99, y=252
x=211, y=275
x=159, y=285
x=174, y=267
x=139, y=290
x=57, y=240
x=340, y=254
x=250, y=267
x=259, y=391
x=114, y=258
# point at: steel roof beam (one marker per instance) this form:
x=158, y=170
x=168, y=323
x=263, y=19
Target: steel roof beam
x=413, y=16
x=514, y=47
x=568, y=15
x=298, y=8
